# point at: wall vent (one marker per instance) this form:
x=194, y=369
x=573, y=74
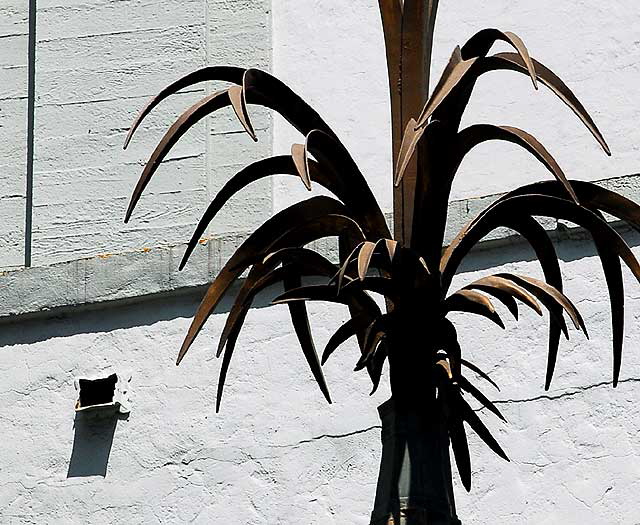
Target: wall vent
x=107, y=394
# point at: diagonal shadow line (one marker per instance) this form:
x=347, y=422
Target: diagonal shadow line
x=571, y=245
x=114, y=315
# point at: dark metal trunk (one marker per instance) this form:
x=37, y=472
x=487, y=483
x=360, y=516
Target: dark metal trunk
x=414, y=484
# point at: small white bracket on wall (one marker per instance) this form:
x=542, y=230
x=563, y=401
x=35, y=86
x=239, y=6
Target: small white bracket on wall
x=105, y=394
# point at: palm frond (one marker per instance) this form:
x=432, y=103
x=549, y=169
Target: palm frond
x=280, y=165
x=230, y=74
x=376, y=331
x=238, y=98
x=300, y=261
x=258, y=245
x=206, y=106
x=473, y=303
x=460, y=447
x=411, y=272
x=479, y=428
x=349, y=329
x=258, y=88
x=528, y=205
x=548, y=295
x=479, y=133
x=480, y=372
x=501, y=288
x=458, y=81
x=300, y=321
x=481, y=43
x=484, y=400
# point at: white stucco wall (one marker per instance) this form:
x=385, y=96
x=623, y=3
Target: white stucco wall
x=332, y=53
x=277, y=453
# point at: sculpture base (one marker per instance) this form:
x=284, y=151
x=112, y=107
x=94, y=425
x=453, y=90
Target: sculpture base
x=414, y=484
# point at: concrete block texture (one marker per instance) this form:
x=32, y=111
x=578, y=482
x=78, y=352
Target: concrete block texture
x=14, y=29
x=98, y=62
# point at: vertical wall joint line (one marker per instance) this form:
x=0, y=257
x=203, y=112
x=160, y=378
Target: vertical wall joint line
x=31, y=104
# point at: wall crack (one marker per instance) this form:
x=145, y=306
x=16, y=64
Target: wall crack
x=330, y=436
x=575, y=391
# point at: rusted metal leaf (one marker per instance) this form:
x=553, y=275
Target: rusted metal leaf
x=414, y=272
x=513, y=62
x=376, y=331
x=473, y=303
x=376, y=365
x=299, y=156
x=345, y=332
x=480, y=372
x=257, y=243
x=364, y=258
x=479, y=133
x=300, y=321
x=391, y=246
x=231, y=74
x=615, y=286
x=484, y=400
x=348, y=182
x=544, y=293
x=410, y=139
x=206, y=106
x=455, y=73
x=460, y=447
x=464, y=73
x=339, y=278
x=479, y=428
x=547, y=206
x=380, y=285
x=264, y=168
x=307, y=262
x=481, y=43
x=239, y=104
x=504, y=297
x=591, y=196
x=492, y=284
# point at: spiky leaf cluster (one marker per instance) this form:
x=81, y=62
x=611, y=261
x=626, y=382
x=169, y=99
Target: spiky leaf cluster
x=415, y=279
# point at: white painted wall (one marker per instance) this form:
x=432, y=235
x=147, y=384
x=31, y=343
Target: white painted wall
x=332, y=53
x=277, y=453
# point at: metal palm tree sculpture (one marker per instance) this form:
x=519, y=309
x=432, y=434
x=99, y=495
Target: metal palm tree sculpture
x=410, y=269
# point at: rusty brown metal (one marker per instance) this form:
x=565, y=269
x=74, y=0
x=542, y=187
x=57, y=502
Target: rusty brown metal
x=411, y=269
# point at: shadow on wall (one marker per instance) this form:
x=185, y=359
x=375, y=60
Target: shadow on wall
x=113, y=315
x=92, y=443
x=146, y=311
x=570, y=244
